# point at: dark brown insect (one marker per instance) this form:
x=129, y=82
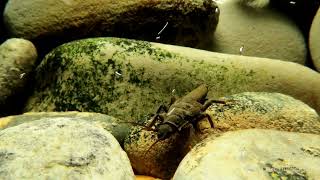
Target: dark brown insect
x=182, y=112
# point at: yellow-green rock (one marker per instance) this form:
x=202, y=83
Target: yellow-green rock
x=129, y=79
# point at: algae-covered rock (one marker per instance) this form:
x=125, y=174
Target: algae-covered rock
x=256, y=29
x=171, y=21
x=17, y=59
x=253, y=154
x=153, y=157
x=314, y=40
x=261, y=110
x=242, y=111
x=129, y=79
x=117, y=128
x=61, y=148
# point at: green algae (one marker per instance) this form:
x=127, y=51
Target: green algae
x=285, y=173
x=123, y=78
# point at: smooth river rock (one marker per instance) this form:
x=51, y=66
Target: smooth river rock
x=130, y=79
x=261, y=110
x=17, y=60
x=242, y=111
x=258, y=30
x=314, y=40
x=61, y=148
x=253, y=154
x=116, y=127
x=185, y=22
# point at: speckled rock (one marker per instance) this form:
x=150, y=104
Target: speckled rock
x=253, y=154
x=314, y=41
x=189, y=21
x=258, y=30
x=17, y=59
x=243, y=111
x=117, y=128
x=156, y=158
x=64, y=148
x=129, y=79
x=261, y=110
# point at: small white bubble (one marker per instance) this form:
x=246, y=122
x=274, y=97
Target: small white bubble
x=173, y=91
x=241, y=50
x=158, y=37
x=216, y=10
x=117, y=73
x=293, y=2
x=22, y=75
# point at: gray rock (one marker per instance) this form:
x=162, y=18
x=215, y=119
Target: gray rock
x=17, y=59
x=130, y=79
x=119, y=129
x=314, y=40
x=61, y=148
x=257, y=29
x=264, y=111
x=253, y=154
x=189, y=21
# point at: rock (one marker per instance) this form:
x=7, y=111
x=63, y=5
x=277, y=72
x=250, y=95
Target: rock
x=64, y=148
x=261, y=110
x=140, y=177
x=189, y=21
x=258, y=30
x=253, y=154
x=17, y=59
x=155, y=158
x=302, y=12
x=130, y=79
x=314, y=41
x=117, y=128
x=2, y=29
x=245, y=110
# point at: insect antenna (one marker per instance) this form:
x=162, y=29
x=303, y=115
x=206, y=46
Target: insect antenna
x=148, y=150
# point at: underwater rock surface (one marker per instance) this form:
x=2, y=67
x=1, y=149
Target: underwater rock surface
x=118, y=129
x=130, y=79
x=253, y=154
x=314, y=40
x=258, y=30
x=242, y=111
x=17, y=59
x=64, y=148
x=186, y=22
x=264, y=111
x=156, y=158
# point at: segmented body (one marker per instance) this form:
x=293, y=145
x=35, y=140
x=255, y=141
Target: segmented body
x=186, y=110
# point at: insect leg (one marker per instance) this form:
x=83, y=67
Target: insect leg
x=211, y=101
x=201, y=116
x=157, y=116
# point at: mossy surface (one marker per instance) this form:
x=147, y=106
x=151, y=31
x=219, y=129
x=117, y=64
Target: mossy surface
x=127, y=79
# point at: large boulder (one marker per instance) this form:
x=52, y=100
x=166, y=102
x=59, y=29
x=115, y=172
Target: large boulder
x=160, y=158
x=185, y=22
x=17, y=59
x=253, y=154
x=117, y=128
x=314, y=40
x=129, y=79
x=61, y=148
x=255, y=29
x=261, y=110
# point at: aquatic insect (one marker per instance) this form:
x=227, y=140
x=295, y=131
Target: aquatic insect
x=181, y=113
